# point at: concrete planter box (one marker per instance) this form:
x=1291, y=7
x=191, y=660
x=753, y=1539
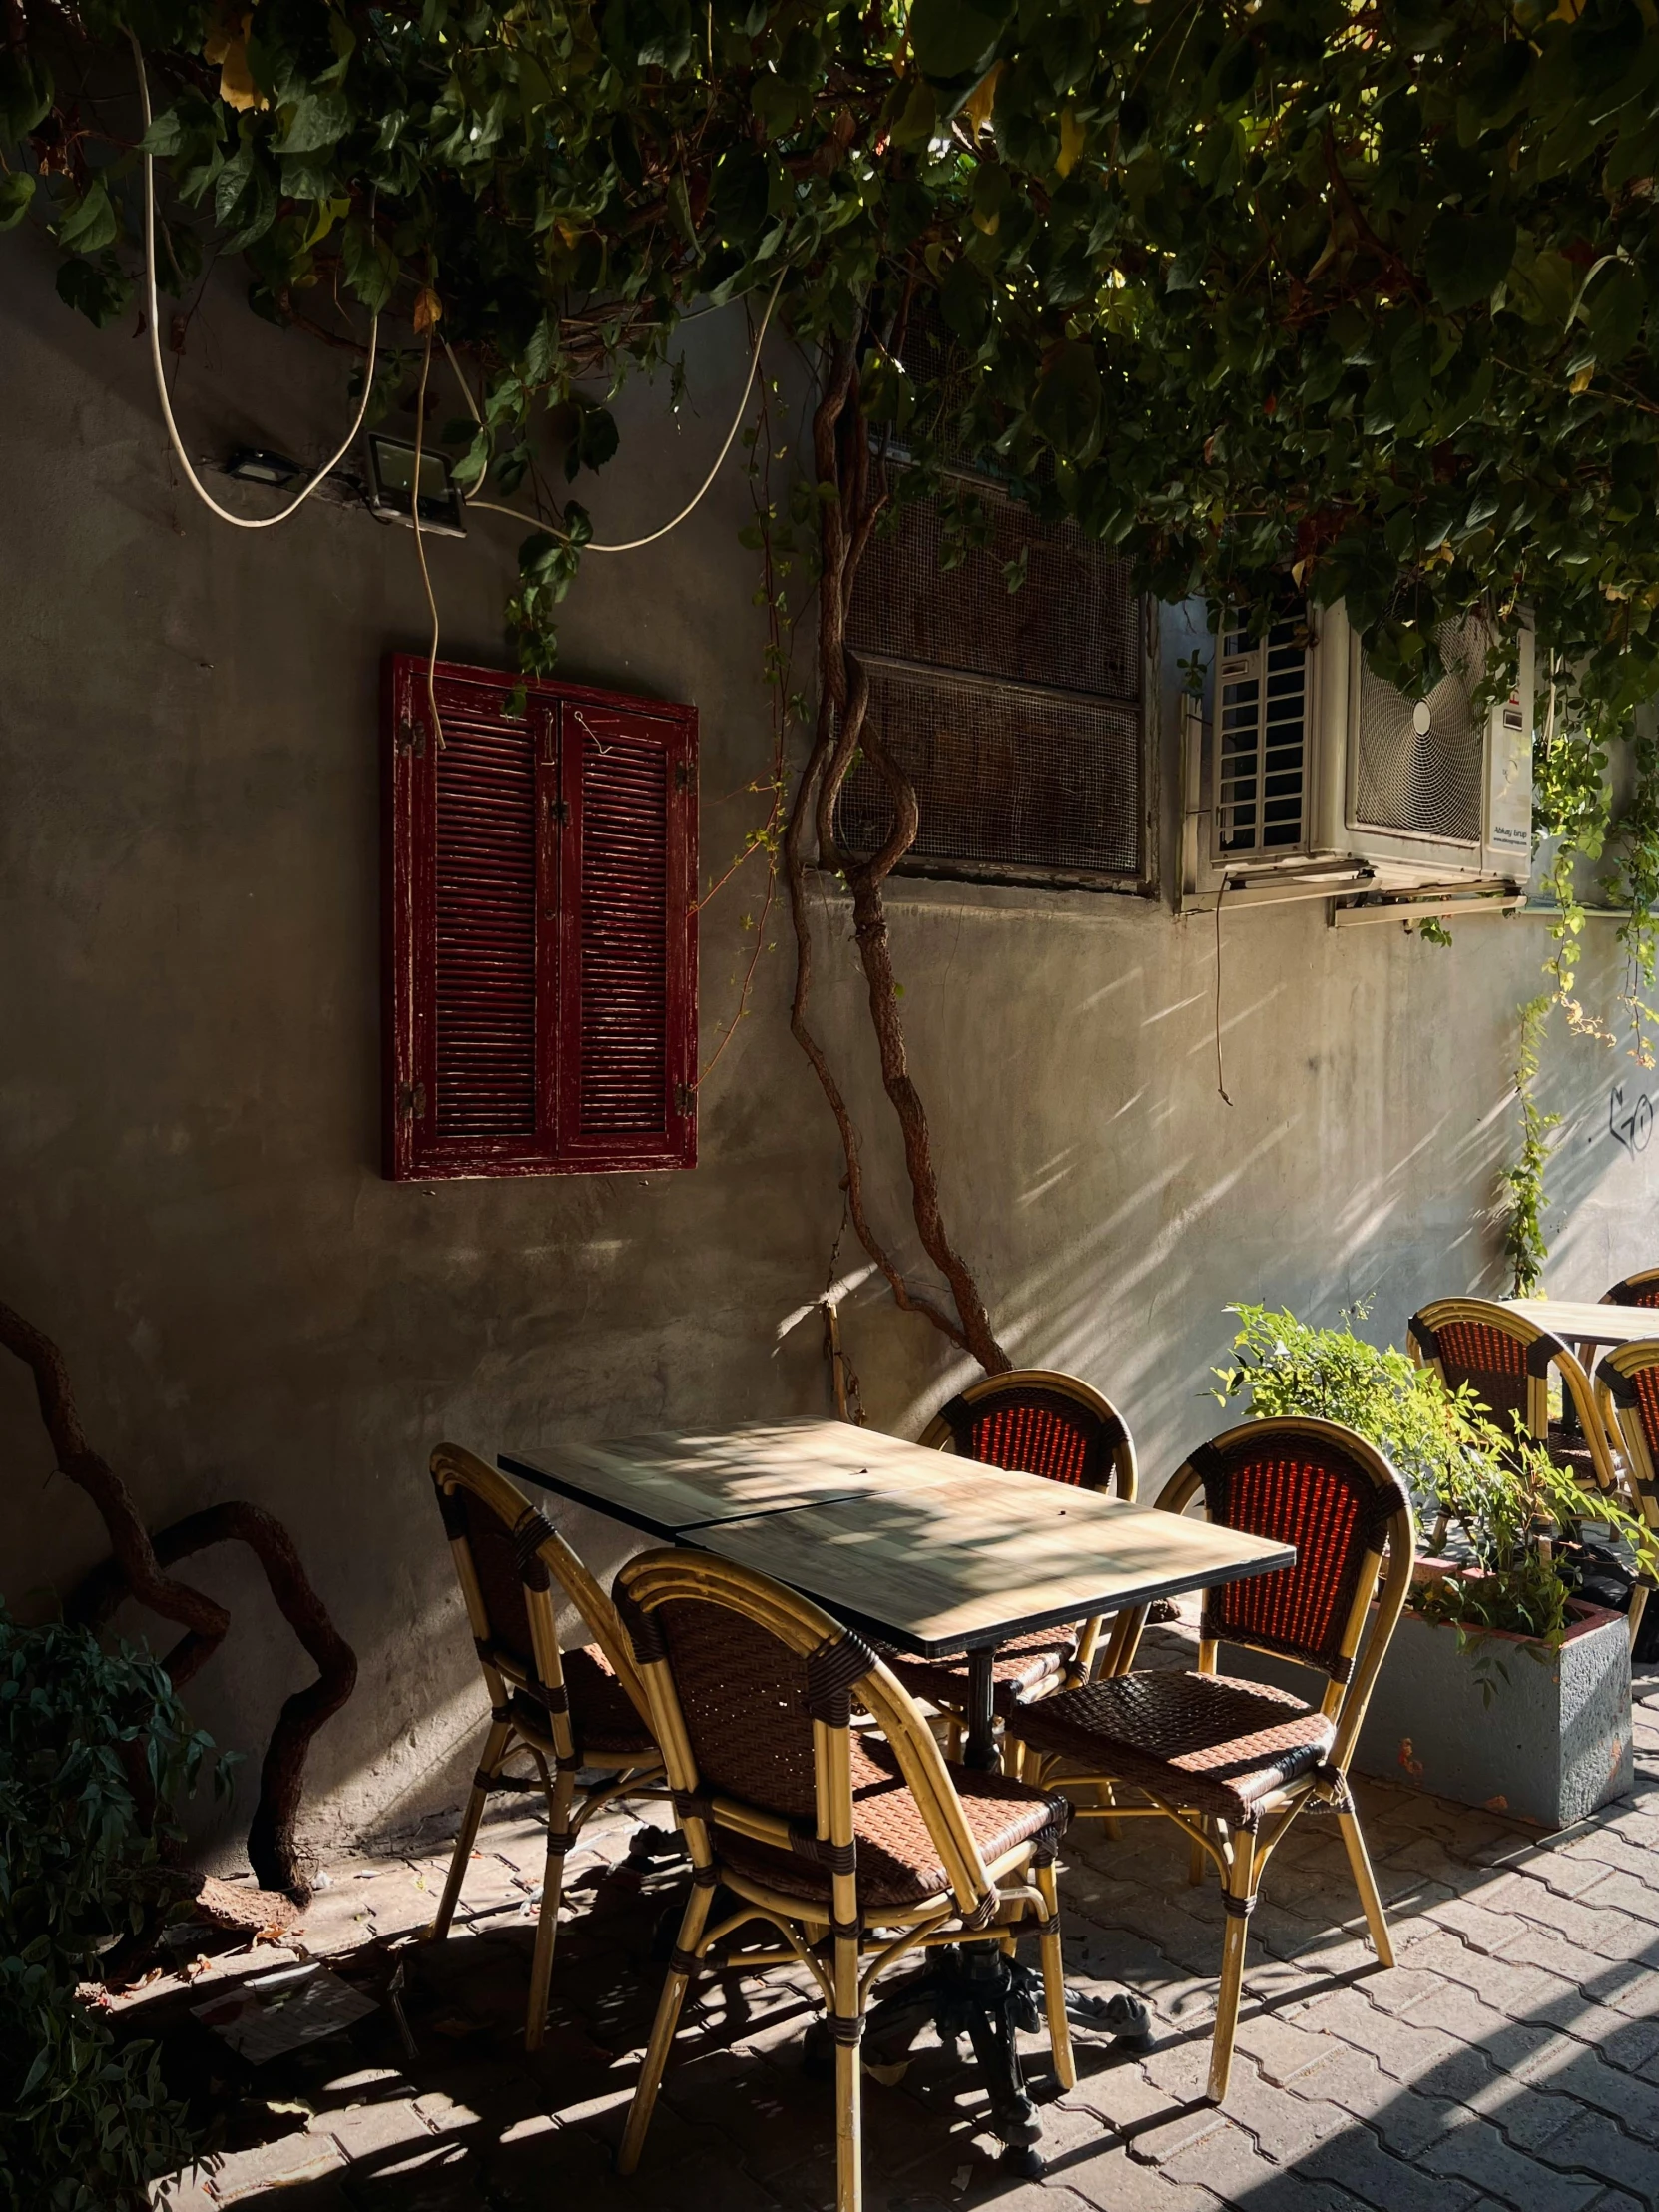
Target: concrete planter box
x=1552, y=1742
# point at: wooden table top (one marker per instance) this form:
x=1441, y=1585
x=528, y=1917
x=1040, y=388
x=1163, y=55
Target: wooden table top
x=664, y=1483
x=1581, y=1322
x=987, y=1558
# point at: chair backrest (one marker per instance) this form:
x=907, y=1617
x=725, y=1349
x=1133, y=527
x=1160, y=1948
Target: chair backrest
x=752, y=1691
x=1325, y=1489
x=1640, y=1289
x=1627, y=1385
x=1506, y=1359
x=1039, y=1421
x=509, y=1561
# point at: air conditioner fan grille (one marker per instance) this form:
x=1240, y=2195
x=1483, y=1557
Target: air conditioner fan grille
x=1419, y=764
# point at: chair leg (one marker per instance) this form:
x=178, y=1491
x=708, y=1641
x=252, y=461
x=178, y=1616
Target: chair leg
x=489, y=1760
x=1054, y=1976
x=1638, y=1605
x=849, y=2154
x=1197, y=1860
x=1238, y=1895
x=547, y=1920
x=1365, y=1883
x=663, y=2026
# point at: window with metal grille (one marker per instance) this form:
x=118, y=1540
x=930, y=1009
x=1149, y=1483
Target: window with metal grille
x=1018, y=716
x=541, y=930
x=1260, y=754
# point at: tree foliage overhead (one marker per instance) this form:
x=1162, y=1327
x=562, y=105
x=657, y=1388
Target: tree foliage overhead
x=1358, y=297
x=1327, y=299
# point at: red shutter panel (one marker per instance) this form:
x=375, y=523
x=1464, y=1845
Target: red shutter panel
x=524, y=1037
x=628, y=1017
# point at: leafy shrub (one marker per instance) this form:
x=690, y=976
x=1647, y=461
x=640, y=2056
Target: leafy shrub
x=95, y=1753
x=1503, y=1495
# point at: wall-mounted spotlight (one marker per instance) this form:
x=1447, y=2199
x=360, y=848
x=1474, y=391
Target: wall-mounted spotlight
x=391, y=475
x=251, y=464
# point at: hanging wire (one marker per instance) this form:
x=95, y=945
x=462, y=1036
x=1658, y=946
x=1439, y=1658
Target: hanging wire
x=236, y=522
x=633, y=545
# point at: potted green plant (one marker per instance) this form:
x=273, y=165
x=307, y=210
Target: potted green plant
x=1503, y=1687
x=95, y=1752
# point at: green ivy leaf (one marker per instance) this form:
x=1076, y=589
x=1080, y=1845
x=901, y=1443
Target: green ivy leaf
x=1466, y=256
x=371, y=265
x=17, y=193
x=1066, y=408
x=1615, y=302
x=88, y=223
x=25, y=91
x=954, y=41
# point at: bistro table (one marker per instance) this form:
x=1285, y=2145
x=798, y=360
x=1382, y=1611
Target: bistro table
x=926, y=1551
x=935, y=1554
x=1587, y=1322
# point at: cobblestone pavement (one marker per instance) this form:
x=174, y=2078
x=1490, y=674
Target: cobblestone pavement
x=1512, y=2059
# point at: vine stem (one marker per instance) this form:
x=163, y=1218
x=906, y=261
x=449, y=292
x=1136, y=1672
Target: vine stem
x=840, y=451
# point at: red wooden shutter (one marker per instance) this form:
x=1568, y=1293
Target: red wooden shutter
x=541, y=936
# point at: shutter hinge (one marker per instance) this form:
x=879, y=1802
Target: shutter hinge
x=558, y=809
x=685, y=1098
x=411, y=1101
x=682, y=775
x=411, y=735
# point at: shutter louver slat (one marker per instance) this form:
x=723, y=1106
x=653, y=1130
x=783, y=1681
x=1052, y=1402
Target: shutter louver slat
x=485, y=970
x=624, y=984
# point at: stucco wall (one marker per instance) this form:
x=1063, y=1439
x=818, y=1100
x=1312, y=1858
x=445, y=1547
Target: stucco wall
x=190, y=1055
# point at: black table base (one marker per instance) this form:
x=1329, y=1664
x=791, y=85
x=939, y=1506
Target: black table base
x=977, y=1991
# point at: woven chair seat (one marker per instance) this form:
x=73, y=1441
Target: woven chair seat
x=1569, y=1449
x=899, y=1861
x=1206, y=1743
x=602, y=1714
x=1022, y=1665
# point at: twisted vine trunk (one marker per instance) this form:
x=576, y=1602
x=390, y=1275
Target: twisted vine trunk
x=841, y=453
x=137, y=1570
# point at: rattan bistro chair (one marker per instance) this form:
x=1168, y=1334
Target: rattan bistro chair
x=857, y=1849
x=1640, y=1289
x=1507, y=1361
x=1233, y=1761
x=573, y=1709
x=1041, y=1422
x=1627, y=1387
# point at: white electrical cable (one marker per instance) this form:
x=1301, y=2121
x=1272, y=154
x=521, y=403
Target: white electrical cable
x=239, y=522
x=489, y=506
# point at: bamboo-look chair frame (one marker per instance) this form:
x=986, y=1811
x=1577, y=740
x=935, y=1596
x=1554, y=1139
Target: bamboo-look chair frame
x=996, y=1898
x=1241, y=1856
x=543, y=1559
x=1640, y=1289
x=1541, y=1351
x=1619, y=1393
x=1119, y=1474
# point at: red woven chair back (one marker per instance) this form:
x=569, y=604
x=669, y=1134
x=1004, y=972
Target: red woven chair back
x=500, y=1566
x=1490, y=1360
x=1638, y=1394
x=1635, y=1289
x=1278, y=1482
x=744, y=1696
x=1023, y=1426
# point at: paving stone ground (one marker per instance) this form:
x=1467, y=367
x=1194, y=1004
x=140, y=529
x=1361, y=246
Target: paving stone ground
x=1510, y=2058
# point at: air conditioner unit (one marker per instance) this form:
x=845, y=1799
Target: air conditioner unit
x=1309, y=776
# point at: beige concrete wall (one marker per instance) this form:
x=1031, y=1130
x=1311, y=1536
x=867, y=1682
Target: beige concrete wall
x=190, y=1059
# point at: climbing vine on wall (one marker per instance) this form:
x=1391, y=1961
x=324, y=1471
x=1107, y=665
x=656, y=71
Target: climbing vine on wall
x=1524, y=1244
x=1345, y=298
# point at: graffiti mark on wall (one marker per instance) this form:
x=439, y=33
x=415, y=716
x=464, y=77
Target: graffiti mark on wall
x=1630, y=1122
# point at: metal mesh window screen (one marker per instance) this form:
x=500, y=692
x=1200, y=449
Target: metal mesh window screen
x=1261, y=745
x=1017, y=715
x=1419, y=761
